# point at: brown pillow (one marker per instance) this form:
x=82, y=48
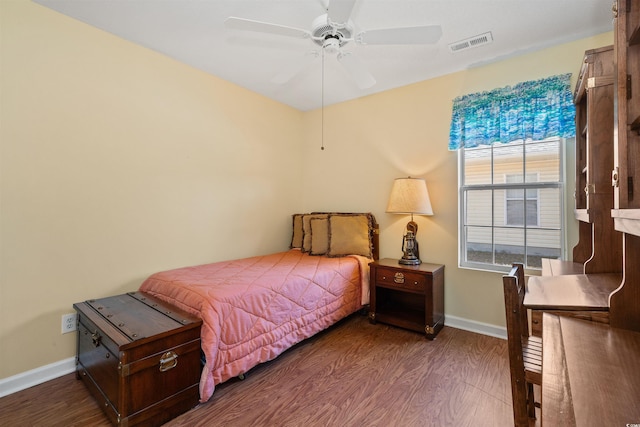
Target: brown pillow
x=319, y=236
x=350, y=234
x=306, y=227
x=296, y=238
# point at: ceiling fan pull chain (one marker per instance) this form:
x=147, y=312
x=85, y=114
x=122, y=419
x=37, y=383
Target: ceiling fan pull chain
x=322, y=103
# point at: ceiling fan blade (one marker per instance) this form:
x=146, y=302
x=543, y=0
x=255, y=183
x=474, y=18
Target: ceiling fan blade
x=362, y=77
x=340, y=10
x=264, y=27
x=286, y=75
x=407, y=35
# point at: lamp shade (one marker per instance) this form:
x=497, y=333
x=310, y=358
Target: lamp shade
x=409, y=196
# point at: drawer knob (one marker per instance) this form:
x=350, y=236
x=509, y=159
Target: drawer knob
x=398, y=278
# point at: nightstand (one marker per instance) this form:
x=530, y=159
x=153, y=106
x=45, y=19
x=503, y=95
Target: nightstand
x=408, y=296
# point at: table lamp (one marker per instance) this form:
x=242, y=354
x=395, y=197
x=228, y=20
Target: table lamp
x=410, y=196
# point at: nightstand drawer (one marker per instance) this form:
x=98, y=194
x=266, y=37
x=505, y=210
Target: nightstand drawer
x=401, y=279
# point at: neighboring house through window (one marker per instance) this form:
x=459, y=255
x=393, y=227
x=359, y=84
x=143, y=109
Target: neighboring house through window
x=521, y=204
x=510, y=144
x=505, y=218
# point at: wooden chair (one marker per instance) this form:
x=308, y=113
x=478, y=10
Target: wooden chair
x=525, y=351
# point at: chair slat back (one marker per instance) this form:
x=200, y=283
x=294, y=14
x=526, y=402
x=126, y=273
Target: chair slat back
x=514, y=290
x=517, y=329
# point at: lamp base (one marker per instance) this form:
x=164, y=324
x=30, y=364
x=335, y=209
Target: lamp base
x=410, y=251
x=409, y=261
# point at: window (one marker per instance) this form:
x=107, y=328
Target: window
x=511, y=204
x=510, y=142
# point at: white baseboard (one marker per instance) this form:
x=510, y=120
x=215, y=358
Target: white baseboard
x=36, y=376
x=45, y=373
x=478, y=327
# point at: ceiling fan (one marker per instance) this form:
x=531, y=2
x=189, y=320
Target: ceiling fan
x=333, y=30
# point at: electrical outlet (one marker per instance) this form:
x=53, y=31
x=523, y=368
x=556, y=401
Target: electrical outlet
x=68, y=323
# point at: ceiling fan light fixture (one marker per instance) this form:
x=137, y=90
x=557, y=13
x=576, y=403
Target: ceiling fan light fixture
x=331, y=45
x=321, y=28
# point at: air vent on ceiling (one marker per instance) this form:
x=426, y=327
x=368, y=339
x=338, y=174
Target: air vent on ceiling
x=471, y=42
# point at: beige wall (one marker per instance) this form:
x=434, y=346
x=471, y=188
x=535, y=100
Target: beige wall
x=117, y=162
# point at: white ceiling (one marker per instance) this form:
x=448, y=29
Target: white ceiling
x=193, y=32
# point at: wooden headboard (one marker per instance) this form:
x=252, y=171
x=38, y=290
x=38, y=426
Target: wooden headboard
x=375, y=238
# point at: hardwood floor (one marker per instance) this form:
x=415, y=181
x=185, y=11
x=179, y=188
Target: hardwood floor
x=354, y=374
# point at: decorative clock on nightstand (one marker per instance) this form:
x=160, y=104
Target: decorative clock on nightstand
x=408, y=296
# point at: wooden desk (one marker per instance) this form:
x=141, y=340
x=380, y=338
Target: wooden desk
x=590, y=374
x=584, y=296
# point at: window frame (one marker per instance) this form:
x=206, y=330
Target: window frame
x=560, y=185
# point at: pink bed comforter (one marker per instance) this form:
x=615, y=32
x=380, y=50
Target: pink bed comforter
x=253, y=309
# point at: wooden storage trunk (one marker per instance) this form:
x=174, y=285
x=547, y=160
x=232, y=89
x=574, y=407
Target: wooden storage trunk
x=139, y=357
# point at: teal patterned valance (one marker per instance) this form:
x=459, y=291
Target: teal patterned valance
x=529, y=110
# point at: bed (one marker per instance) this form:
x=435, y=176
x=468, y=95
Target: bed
x=255, y=308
